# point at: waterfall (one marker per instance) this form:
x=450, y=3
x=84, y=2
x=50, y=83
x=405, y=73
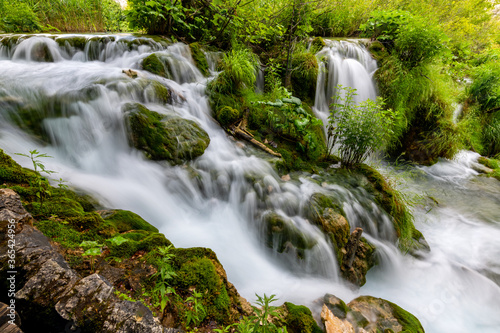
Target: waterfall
x=71, y=90
x=345, y=63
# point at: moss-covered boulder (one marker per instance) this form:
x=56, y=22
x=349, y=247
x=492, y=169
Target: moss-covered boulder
x=282, y=235
x=199, y=58
x=154, y=64
x=227, y=116
x=199, y=269
x=304, y=76
x=376, y=314
x=367, y=314
x=317, y=44
x=299, y=319
x=165, y=138
x=125, y=220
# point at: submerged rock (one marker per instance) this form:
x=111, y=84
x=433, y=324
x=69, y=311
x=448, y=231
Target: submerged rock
x=165, y=138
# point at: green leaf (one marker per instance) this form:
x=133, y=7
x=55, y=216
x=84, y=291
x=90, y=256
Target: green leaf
x=118, y=240
x=95, y=251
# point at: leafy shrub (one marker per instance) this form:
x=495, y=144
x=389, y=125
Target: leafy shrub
x=384, y=25
x=238, y=71
x=18, y=16
x=359, y=129
x=156, y=17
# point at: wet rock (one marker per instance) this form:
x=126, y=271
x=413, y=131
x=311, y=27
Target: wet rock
x=481, y=168
x=358, y=258
x=334, y=324
x=165, y=138
x=283, y=235
x=130, y=73
x=382, y=315
x=367, y=314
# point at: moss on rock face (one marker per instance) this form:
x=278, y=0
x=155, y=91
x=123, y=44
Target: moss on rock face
x=304, y=76
x=199, y=58
x=172, y=138
x=282, y=235
x=199, y=268
x=299, y=319
x=153, y=64
x=227, y=116
x=125, y=220
x=317, y=45
x=410, y=239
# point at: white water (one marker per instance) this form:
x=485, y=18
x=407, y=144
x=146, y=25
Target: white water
x=448, y=289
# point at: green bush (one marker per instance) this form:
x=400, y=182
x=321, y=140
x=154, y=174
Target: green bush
x=18, y=16
x=359, y=129
x=238, y=71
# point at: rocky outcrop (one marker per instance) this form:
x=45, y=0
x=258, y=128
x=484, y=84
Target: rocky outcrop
x=355, y=254
x=51, y=294
x=367, y=314
x=165, y=138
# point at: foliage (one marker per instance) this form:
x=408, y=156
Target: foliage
x=157, y=17
x=383, y=25
x=238, y=71
x=304, y=75
x=18, y=16
x=163, y=276
x=40, y=184
x=114, y=17
x=197, y=311
x=261, y=321
x=92, y=249
x=358, y=129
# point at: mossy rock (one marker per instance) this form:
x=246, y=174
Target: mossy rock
x=157, y=92
x=199, y=58
x=172, y=138
x=299, y=319
x=377, y=50
x=77, y=42
x=125, y=220
x=317, y=45
x=282, y=235
x=410, y=239
x=146, y=242
x=384, y=315
x=11, y=172
x=304, y=76
x=199, y=268
x=227, y=116
x=155, y=65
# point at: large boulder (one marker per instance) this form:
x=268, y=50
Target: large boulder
x=49, y=294
x=161, y=137
x=367, y=314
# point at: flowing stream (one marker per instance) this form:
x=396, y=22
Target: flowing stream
x=71, y=108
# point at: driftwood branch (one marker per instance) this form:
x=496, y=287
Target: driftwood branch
x=242, y=133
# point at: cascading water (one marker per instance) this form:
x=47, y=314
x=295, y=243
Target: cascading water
x=343, y=63
x=70, y=108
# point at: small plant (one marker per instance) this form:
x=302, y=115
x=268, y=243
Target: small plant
x=162, y=276
x=196, y=311
x=92, y=249
x=40, y=184
x=359, y=129
x=261, y=321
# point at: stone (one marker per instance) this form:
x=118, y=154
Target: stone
x=334, y=324
x=130, y=73
x=161, y=137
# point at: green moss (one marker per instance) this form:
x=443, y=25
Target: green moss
x=64, y=234
x=390, y=200
x=489, y=162
x=136, y=235
x=304, y=76
x=153, y=64
x=227, y=116
x=158, y=92
x=299, y=319
x=11, y=172
x=377, y=50
x=173, y=138
x=317, y=45
x=153, y=241
x=410, y=323
x=199, y=58
x=125, y=220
